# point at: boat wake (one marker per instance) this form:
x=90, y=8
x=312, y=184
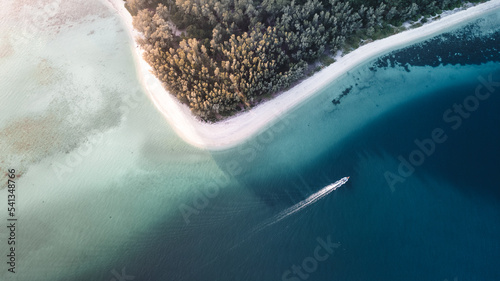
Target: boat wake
x=304, y=203
x=295, y=208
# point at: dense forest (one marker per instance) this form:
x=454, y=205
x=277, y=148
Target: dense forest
x=220, y=56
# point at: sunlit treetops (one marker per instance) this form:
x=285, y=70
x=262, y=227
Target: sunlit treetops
x=221, y=56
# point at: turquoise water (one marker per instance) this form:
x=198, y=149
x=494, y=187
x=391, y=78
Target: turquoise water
x=441, y=222
x=139, y=202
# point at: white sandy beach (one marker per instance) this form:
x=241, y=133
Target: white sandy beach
x=237, y=129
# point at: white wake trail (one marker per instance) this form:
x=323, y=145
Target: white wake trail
x=304, y=203
x=295, y=208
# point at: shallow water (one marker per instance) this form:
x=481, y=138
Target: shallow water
x=107, y=187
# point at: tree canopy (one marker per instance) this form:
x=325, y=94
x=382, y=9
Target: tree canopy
x=219, y=56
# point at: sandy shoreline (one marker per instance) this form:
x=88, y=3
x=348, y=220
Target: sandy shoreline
x=237, y=129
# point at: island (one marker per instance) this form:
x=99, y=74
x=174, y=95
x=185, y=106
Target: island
x=221, y=57
x=229, y=131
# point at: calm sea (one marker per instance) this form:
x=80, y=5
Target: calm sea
x=418, y=132
x=108, y=192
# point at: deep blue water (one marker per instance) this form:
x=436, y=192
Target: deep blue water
x=441, y=222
